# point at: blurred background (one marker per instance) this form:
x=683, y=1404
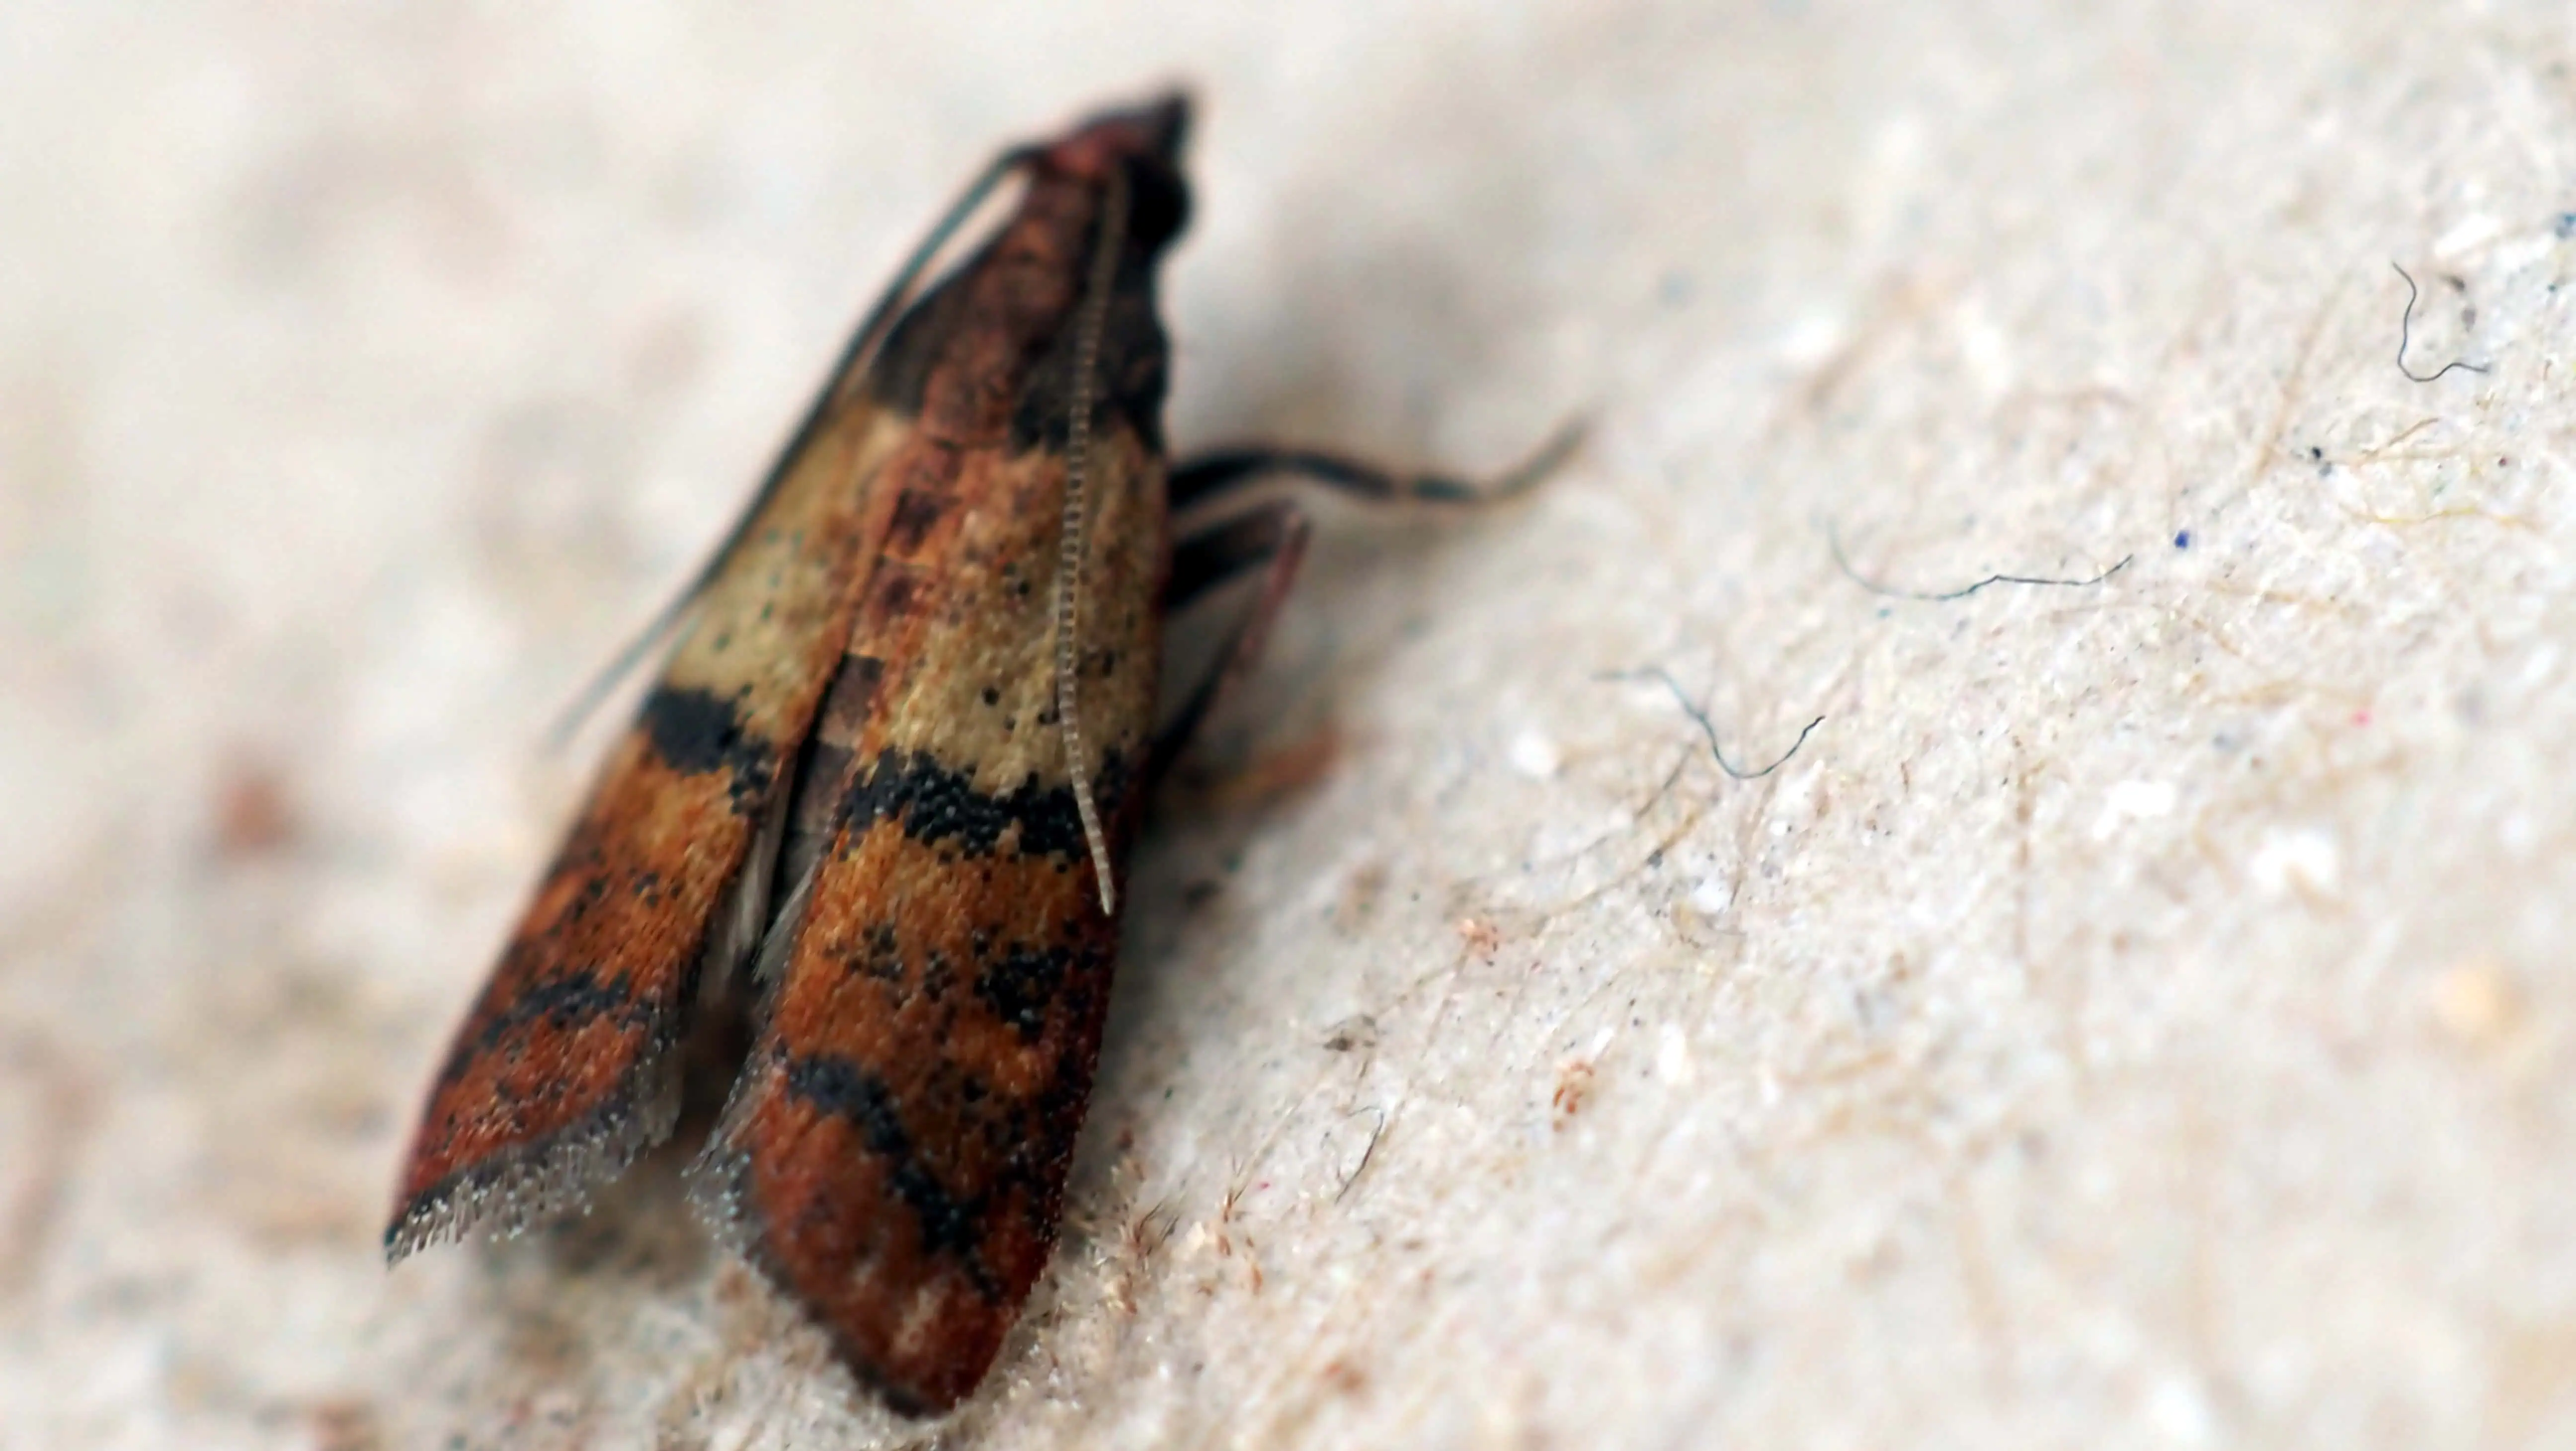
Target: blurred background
x=2139, y=1016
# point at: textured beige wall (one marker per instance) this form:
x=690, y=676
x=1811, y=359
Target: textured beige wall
x=2141, y=1016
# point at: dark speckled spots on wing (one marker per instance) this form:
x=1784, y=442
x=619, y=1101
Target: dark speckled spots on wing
x=1020, y=984
x=697, y=731
x=882, y=956
x=935, y=804
x=562, y=1005
x=950, y=1226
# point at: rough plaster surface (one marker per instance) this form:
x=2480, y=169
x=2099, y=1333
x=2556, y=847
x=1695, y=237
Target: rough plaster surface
x=2141, y=1015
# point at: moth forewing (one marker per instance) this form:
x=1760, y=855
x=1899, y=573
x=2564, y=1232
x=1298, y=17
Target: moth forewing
x=561, y=1073
x=564, y=1070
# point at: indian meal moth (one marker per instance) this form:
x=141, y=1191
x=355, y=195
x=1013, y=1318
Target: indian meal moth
x=881, y=795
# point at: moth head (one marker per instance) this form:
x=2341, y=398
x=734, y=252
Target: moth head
x=1144, y=145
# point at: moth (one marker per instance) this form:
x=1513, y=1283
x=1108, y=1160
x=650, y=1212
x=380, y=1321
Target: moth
x=880, y=799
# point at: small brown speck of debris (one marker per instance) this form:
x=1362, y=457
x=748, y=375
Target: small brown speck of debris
x=1360, y=896
x=253, y=816
x=346, y=1425
x=1356, y=1031
x=1573, y=1089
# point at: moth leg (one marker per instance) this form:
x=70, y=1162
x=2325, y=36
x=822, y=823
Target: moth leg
x=1195, y=481
x=1270, y=537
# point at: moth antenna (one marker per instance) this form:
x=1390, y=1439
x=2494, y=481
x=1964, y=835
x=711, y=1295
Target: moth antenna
x=666, y=625
x=1093, y=322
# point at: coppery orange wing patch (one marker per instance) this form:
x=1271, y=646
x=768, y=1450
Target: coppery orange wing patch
x=564, y=1069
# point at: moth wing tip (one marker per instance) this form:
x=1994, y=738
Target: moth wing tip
x=519, y=1188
